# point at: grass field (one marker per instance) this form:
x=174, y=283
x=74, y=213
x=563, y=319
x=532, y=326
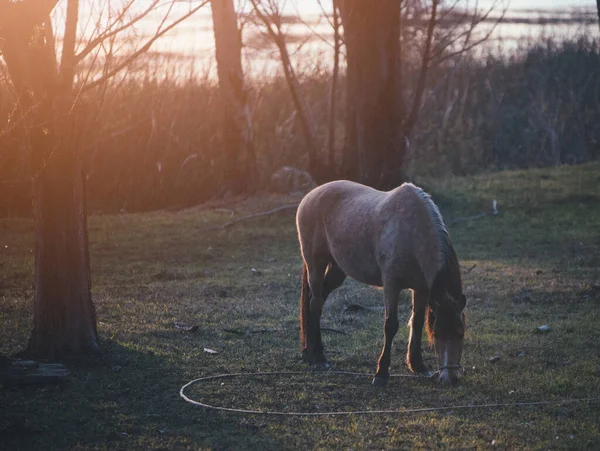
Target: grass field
x=537, y=262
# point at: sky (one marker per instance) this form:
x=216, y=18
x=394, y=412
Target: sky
x=545, y=4
x=513, y=4
x=194, y=38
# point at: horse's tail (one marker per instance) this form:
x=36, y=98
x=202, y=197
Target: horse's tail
x=304, y=306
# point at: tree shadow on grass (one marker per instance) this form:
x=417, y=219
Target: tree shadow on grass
x=121, y=399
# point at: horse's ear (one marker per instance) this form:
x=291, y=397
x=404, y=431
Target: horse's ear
x=462, y=302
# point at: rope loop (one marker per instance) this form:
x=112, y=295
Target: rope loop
x=590, y=400
x=450, y=367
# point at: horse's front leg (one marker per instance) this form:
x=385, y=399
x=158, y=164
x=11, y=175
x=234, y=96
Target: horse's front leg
x=414, y=357
x=390, y=329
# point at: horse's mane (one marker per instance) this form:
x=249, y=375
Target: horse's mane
x=444, y=244
x=447, y=278
x=447, y=255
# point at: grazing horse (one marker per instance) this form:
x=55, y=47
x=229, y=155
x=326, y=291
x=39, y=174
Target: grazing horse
x=395, y=240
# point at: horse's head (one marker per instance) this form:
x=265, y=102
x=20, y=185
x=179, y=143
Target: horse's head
x=446, y=328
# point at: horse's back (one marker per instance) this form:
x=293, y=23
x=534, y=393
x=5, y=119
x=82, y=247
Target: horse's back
x=336, y=223
x=371, y=235
x=337, y=191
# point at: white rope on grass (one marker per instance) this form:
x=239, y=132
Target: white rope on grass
x=361, y=412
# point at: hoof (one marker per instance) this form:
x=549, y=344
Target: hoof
x=447, y=379
x=380, y=381
x=323, y=366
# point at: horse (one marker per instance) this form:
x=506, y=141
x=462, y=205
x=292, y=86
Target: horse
x=396, y=240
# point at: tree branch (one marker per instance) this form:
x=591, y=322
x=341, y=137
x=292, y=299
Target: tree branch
x=68, y=60
x=91, y=45
x=333, y=91
x=418, y=98
x=142, y=49
x=437, y=53
x=272, y=23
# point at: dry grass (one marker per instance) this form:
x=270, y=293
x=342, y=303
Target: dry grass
x=157, y=142
x=536, y=263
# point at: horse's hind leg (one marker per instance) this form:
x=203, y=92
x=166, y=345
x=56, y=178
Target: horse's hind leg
x=414, y=358
x=315, y=349
x=334, y=278
x=391, y=292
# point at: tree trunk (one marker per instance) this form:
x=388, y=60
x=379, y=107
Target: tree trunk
x=239, y=159
x=374, y=146
x=64, y=316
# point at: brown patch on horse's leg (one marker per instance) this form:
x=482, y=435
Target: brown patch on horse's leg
x=414, y=357
x=390, y=329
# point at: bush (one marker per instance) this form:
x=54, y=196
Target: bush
x=155, y=142
x=537, y=109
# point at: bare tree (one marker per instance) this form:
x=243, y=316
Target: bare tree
x=239, y=159
x=383, y=105
x=50, y=112
x=335, y=23
x=270, y=15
